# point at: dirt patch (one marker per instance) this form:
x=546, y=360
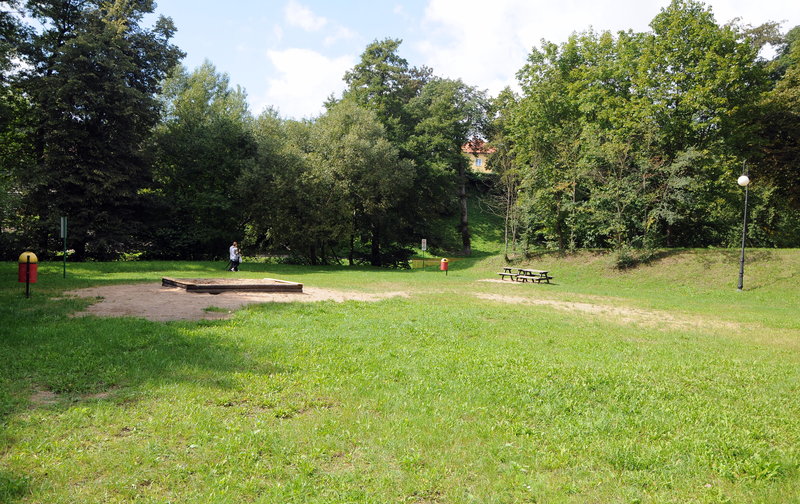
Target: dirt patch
x=43, y=398
x=154, y=302
x=106, y=394
x=497, y=280
x=620, y=314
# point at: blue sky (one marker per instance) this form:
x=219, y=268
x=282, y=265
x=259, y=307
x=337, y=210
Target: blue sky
x=292, y=54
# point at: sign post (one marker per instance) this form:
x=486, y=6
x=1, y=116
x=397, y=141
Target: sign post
x=64, y=236
x=424, y=248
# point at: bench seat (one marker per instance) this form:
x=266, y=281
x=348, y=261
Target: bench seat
x=534, y=278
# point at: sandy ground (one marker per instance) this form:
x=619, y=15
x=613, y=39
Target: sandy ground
x=619, y=314
x=154, y=302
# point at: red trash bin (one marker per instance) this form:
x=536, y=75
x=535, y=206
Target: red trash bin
x=28, y=267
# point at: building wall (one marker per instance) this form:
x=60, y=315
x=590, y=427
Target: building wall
x=477, y=163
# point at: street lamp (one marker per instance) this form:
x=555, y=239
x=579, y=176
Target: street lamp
x=743, y=181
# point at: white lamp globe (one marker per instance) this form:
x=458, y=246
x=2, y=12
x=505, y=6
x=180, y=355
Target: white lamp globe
x=743, y=180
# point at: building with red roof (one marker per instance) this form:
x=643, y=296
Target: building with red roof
x=478, y=154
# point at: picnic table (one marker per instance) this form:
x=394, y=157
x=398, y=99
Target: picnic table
x=533, y=275
x=525, y=274
x=508, y=272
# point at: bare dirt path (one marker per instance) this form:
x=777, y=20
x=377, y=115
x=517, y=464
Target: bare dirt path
x=154, y=302
x=621, y=314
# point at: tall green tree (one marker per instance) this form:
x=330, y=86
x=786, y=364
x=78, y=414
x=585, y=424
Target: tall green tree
x=286, y=206
x=702, y=80
x=632, y=140
x=329, y=189
x=447, y=113
x=778, y=123
x=545, y=131
x=92, y=75
x=383, y=82
x=502, y=199
x=201, y=148
x=14, y=144
x=366, y=170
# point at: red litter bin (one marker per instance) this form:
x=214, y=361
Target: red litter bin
x=443, y=265
x=28, y=267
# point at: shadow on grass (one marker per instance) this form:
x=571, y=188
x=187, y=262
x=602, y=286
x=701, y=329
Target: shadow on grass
x=12, y=488
x=623, y=260
x=51, y=360
x=74, y=358
x=45, y=351
x=733, y=255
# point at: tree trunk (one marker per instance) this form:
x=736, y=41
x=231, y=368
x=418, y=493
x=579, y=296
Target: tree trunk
x=80, y=249
x=375, y=258
x=466, y=249
x=507, y=220
x=572, y=210
x=350, y=254
x=312, y=255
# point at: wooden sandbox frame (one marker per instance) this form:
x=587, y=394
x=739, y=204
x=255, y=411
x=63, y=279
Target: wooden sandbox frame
x=219, y=285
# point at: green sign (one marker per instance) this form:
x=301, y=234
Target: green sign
x=64, y=236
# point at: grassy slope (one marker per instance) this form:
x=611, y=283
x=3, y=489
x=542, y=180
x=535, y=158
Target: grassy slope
x=439, y=397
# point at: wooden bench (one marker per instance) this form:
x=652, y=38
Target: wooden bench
x=534, y=278
x=537, y=276
x=523, y=275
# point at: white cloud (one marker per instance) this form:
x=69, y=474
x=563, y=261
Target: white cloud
x=302, y=17
x=400, y=11
x=341, y=33
x=305, y=80
x=756, y=13
x=486, y=46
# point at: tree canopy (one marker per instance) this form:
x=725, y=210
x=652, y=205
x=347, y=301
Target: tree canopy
x=633, y=139
x=628, y=139
x=201, y=146
x=91, y=78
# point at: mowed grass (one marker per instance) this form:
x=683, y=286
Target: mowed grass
x=464, y=391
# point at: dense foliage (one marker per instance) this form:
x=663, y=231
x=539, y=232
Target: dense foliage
x=201, y=147
x=90, y=80
x=636, y=139
x=627, y=140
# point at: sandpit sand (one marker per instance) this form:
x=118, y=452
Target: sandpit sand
x=154, y=302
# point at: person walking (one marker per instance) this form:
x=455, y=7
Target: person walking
x=235, y=256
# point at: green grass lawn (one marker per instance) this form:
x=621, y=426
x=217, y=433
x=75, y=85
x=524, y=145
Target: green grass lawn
x=674, y=387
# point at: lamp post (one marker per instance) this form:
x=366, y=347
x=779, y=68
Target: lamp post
x=743, y=181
